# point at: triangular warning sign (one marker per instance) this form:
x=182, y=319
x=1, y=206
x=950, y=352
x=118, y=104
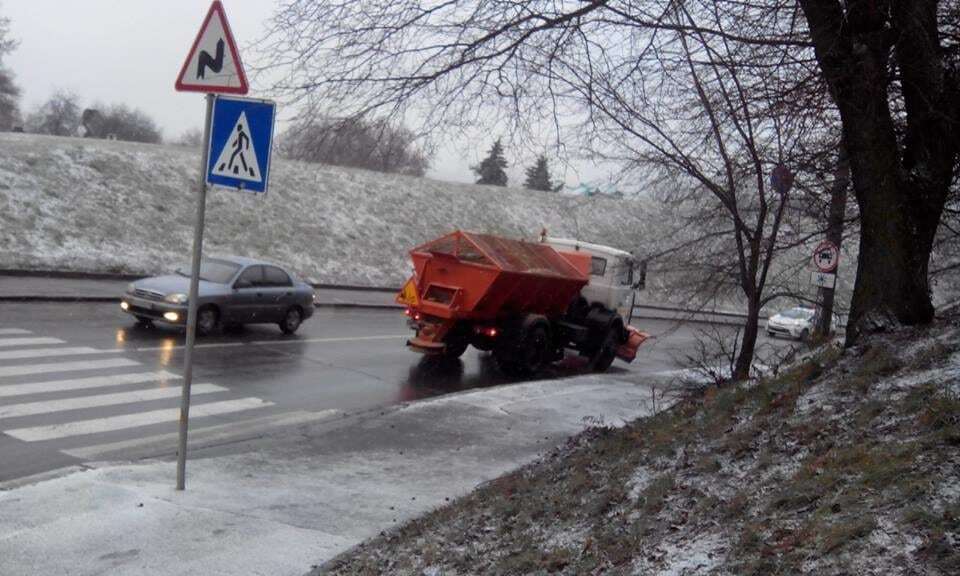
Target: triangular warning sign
x=213, y=64
x=238, y=159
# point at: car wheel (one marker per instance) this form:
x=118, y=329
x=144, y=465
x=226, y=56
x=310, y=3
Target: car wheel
x=804, y=335
x=144, y=321
x=771, y=334
x=207, y=320
x=291, y=320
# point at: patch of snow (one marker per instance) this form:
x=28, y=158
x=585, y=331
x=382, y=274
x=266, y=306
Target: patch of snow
x=697, y=555
x=105, y=206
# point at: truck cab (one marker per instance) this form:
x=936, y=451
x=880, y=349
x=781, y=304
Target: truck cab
x=611, y=274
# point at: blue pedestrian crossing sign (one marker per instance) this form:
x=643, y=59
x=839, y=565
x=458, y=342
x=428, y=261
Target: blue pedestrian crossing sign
x=241, y=138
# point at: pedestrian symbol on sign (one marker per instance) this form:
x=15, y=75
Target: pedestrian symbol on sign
x=238, y=159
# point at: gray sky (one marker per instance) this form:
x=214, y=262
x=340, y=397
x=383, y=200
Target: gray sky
x=131, y=51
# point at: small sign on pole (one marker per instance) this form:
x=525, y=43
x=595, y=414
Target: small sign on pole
x=240, y=143
x=823, y=279
x=826, y=256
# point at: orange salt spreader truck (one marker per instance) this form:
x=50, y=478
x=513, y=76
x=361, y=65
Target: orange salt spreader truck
x=527, y=302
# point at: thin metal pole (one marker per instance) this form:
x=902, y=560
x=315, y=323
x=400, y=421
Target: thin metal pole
x=192, y=302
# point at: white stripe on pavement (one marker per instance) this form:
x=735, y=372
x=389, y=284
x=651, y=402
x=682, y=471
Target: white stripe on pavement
x=29, y=341
x=165, y=443
x=7, y=390
x=343, y=339
x=51, y=352
x=11, y=331
x=263, y=342
x=49, y=406
x=65, y=366
x=122, y=422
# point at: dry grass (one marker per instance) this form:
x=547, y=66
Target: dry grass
x=788, y=492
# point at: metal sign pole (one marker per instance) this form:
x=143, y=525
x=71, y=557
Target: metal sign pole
x=192, y=300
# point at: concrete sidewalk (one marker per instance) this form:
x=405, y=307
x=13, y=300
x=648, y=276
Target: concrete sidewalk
x=284, y=505
x=71, y=289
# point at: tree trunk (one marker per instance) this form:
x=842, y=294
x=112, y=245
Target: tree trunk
x=741, y=369
x=900, y=190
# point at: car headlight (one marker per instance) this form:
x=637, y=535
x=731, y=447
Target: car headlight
x=177, y=298
x=131, y=288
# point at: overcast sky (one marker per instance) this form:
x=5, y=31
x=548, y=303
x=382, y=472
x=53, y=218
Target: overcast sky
x=130, y=51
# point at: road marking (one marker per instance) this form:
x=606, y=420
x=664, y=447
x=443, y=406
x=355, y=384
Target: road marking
x=51, y=352
x=344, y=339
x=65, y=366
x=49, y=406
x=263, y=342
x=122, y=422
x=211, y=434
x=7, y=390
x=29, y=341
x=13, y=331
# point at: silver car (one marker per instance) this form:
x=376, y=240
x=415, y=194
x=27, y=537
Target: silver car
x=232, y=291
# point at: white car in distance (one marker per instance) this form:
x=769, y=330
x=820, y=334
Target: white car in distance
x=793, y=323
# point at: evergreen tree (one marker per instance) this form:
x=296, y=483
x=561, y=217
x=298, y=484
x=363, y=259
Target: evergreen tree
x=538, y=176
x=491, y=170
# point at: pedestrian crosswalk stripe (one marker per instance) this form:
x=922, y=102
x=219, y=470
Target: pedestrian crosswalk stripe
x=166, y=443
x=8, y=390
x=13, y=331
x=100, y=400
x=125, y=421
x=51, y=352
x=26, y=369
x=29, y=341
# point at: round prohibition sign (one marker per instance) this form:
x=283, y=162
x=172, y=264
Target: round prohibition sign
x=826, y=256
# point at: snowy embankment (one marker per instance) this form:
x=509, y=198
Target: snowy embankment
x=101, y=206
x=846, y=462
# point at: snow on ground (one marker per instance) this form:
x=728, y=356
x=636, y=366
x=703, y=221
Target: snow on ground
x=95, y=205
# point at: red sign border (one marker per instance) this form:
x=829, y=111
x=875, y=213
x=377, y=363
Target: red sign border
x=826, y=244
x=243, y=88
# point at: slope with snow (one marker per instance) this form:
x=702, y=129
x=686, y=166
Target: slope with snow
x=103, y=206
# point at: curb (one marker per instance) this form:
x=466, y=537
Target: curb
x=72, y=275
x=115, y=299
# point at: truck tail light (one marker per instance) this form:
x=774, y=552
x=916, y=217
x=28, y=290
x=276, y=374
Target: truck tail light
x=488, y=331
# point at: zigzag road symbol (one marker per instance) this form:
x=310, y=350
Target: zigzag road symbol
x=204, y=60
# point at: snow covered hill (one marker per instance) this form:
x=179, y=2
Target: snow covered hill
x=106, y=206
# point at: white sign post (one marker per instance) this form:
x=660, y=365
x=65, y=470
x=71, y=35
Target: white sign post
x=212, y=66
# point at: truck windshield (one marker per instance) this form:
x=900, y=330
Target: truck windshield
x=625, y=272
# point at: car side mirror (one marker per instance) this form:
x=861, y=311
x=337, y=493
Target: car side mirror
x=242, y=284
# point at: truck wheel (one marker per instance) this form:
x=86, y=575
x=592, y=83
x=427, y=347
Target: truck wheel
x=454, y=349
x=533, y=350
x=603, y=357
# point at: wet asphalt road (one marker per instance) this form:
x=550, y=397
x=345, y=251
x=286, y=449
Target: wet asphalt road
x=84, y=391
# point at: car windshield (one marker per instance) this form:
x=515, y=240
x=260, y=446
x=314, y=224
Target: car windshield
x=217, y=271
x=797, y=313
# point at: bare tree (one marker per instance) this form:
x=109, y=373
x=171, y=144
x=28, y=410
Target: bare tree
x=58, y=116
x=120, y=122
x=890, y=66
x=374, y=145
x=192, y=137
x=9, y=91
x=893, y=68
